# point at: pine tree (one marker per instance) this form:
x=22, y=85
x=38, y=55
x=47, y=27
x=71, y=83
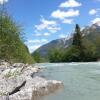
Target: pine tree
x=77, y=38
x=77, y=43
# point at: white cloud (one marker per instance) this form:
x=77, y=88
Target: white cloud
x=36, y=41
x=44, y=24
x=92, y=11
x=70, y=3
x=40, y=34
x=49, y=25
x=3, y=1
x=67, y=21
x=62, y=35
x=48, y=22
x=41, y=26
x=33, y=41
x=95, y=20
x=64, y=14
x=46, y=34
x=34, y=44
x=44, y=40
x=66, y=36
x=54, y=29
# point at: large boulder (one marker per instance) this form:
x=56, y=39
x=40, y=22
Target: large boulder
x=19, y=83
x=36, y=87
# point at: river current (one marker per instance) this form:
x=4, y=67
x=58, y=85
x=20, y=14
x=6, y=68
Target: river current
x=81, y=80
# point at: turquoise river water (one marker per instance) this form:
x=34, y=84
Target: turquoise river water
x=81, y=80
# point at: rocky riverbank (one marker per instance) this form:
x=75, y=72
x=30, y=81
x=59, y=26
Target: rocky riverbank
x=17, y=82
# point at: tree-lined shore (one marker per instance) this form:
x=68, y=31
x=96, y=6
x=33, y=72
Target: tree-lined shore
x=84, y=47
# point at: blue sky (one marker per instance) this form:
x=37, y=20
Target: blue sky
x=46, y=20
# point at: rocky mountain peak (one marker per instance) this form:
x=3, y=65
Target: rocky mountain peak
x=97, y=23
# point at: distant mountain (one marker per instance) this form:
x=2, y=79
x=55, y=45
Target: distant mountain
x=89, y=32
x=92, y=32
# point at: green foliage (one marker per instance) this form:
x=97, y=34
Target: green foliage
x=72, y=55
x=37, y=57
x=97, y=43
x=55, y=55
x=90, y=51
x=11, y=46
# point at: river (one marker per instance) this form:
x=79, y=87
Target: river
x=81, y=80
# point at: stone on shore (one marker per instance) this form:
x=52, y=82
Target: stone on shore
x=13, y=76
